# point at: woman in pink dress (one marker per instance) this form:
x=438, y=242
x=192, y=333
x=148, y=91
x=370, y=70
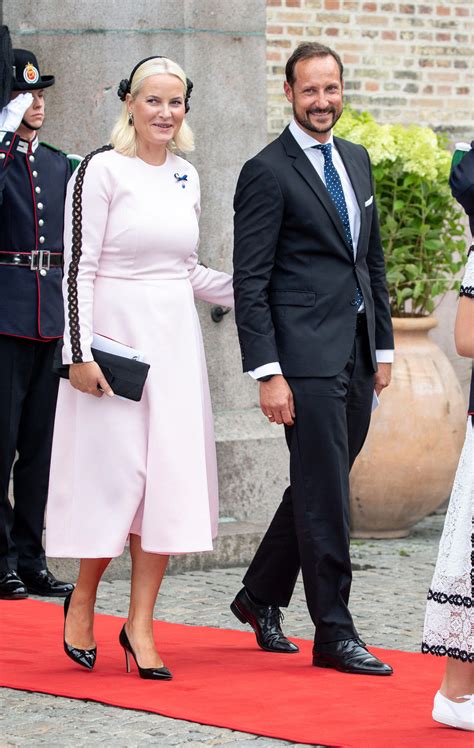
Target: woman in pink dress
x=143, y=471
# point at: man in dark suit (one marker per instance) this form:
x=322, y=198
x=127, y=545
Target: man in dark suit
x=314, y=326
x=33, y=179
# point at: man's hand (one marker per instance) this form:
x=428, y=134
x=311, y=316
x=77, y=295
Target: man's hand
x=276, y=400
x=88, y=378
x=12, y=115
x=382, y=377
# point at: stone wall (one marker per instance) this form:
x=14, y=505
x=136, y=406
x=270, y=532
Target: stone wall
x=404, y=61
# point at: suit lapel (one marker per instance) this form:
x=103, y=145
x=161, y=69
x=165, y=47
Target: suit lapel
x=305, y=168
x=354, y=172
x=307, y=171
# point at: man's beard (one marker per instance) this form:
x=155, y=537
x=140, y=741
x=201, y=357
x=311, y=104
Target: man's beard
x=30, y=126
x=308, y=125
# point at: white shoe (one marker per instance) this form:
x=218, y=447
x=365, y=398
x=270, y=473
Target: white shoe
x=454, y=713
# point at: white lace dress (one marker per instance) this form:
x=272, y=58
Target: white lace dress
x=449, y=619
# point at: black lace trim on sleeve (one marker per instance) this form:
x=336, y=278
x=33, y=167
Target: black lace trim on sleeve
x=457, y=600
x=439, y=650
x=467, y=291
x=72, y=297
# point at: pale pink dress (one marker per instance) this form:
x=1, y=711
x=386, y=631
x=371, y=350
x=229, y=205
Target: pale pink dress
x=120, y=466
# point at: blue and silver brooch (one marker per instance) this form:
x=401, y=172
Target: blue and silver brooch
x=181, y=180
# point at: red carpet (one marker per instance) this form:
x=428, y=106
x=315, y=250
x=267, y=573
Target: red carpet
x=222, y=679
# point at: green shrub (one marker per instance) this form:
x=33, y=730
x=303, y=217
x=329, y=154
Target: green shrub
x=421, y=224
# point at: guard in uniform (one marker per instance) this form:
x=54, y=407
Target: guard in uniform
x=33, y=179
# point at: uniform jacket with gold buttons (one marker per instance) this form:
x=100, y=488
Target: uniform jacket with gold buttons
x=33, y=179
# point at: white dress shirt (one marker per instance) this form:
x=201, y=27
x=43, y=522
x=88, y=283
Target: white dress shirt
x=315, y=156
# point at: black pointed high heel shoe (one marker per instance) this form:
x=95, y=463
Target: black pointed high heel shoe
x=150, y=673
x=84, y=657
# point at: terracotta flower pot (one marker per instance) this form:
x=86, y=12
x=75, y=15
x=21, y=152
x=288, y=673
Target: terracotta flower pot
x=406, y=468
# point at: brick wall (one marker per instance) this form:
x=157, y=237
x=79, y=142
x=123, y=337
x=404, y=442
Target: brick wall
x=404, y=61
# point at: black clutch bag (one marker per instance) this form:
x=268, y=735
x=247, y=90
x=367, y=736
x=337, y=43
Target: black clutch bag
x=126, y=376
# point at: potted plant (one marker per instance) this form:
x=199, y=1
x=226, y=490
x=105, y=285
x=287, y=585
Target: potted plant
x=408, y=462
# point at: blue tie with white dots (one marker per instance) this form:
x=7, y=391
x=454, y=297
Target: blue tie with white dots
x=334, y=187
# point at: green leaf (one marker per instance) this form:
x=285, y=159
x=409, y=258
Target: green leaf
x=433, y=244
x=395, y=276
x=412, y=271
x=406, y=293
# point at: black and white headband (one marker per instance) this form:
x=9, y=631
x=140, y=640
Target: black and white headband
x=125, y=84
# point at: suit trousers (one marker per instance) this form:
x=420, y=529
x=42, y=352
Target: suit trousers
x=28, y=392
x=310, y=529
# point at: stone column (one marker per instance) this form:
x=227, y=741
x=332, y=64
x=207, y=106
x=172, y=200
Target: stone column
x=89, y=47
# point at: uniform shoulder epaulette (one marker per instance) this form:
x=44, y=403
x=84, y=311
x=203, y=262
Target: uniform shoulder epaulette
x=74, y=159
x=52, y=147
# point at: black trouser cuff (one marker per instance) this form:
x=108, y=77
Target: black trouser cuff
x=31, y=565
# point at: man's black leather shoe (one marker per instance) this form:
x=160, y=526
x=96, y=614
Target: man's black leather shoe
x=349, y=656
x=11, y=586
x=265, y=621
x=44, y=583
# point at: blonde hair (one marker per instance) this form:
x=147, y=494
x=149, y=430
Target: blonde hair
x=124, y=137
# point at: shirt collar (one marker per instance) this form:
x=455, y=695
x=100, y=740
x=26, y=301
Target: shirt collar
x=304, y=140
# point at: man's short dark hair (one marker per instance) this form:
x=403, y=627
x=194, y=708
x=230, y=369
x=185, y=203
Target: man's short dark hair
x=307, y=50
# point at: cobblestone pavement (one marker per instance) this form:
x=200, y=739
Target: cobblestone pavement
x=391, y=578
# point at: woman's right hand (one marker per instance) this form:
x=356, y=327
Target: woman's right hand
x=88, y=378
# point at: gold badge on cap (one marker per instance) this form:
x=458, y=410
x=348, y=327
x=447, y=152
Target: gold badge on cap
x=30, y=73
